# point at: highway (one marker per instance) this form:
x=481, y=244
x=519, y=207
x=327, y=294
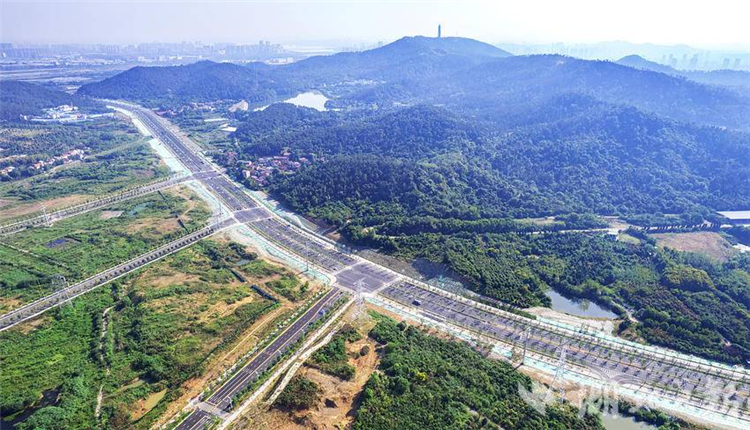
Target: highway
x=596, y=359
x=354, y=274
x=99, y=203
x=708, y=388
x=39, y=306
x=223, y=397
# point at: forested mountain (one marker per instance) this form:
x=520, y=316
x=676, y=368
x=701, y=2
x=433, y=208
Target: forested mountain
x=602, y=158
x=201, y=81
x=412, y=132
x=22, y=98
x=426, y=182
x=461, y=73
x=408, y=57
x=638, y=62
x=442, y=148
x=499, y=87
x=257, y=82
x=737, y=79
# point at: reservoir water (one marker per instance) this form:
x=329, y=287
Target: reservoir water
x=623, y=423
x=310, y=99
x=579, y=307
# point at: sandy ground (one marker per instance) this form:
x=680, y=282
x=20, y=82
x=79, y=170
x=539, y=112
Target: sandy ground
x=338, y=401
x=599, y=324
x=110, y=214
x=706, y=242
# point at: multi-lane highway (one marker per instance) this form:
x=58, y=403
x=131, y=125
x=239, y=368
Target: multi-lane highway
x=63, y=295
x=223, y=397
x=683, y=383
x=667, y=375
x=606, y=361
x=351, y=273
x=99, y=203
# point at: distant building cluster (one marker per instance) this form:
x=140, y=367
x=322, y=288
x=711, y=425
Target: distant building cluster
x=63, y=113
x=70, y=156
x=145, y=52
x=194, y=106
x=262, y=168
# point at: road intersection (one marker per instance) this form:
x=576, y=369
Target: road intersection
x=711, y=392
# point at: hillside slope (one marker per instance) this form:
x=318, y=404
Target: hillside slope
x=23, y=98
x=201, y=81
x=737, y=79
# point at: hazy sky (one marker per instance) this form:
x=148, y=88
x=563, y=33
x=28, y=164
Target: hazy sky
x=701, y=23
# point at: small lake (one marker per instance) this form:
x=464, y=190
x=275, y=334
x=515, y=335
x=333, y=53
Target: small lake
x=310, y=99
x=579, y=307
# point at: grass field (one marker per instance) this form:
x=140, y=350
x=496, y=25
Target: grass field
x=117, y=157
x=709, y=243
x=81, y=246
x=163, y=326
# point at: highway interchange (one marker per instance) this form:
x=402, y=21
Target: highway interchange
x=673, y=379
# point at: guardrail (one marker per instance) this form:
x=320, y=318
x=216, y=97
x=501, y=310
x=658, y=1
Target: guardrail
x=47, y=218
x=43, y=304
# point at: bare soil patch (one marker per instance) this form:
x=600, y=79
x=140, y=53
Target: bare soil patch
x=707, y=242
x=9, y=210
x=603, y=325
x=144, y=405
x=338, y=401
x=110, y=214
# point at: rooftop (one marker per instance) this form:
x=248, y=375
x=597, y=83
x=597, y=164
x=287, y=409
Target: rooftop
x=736, y=214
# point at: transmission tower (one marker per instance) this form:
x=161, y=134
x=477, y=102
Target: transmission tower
x=60, y=284
x=525, y=344
x=45, y=217
x=560, y=373
x=359, y=311
x=360, y=285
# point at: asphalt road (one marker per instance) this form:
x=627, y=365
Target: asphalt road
x=41, y=305
x=603, y=360
x=222, y=398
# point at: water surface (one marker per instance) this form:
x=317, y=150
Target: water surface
x=620, y=422
x=310, y=99
x=579, y=307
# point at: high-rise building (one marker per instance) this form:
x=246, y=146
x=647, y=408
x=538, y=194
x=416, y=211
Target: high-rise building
x=439, y=31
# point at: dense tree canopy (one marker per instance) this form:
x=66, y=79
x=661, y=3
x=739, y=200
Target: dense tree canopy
x=428, y=383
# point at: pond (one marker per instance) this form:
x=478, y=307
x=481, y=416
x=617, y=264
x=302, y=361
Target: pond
x=62, y=242
x=579, y=307
x=619, y=422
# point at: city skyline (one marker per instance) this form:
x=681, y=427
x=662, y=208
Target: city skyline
x=719, y=26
